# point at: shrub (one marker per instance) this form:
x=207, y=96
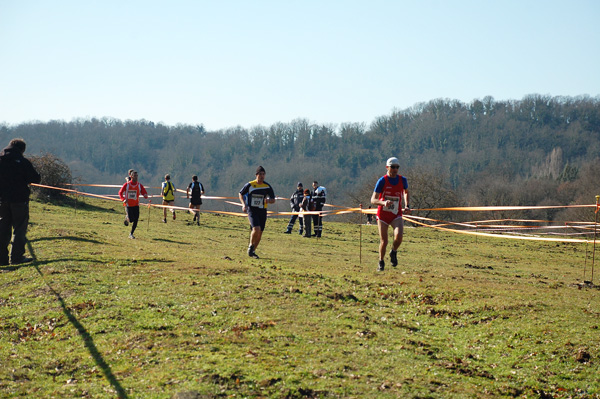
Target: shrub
x=54, y=173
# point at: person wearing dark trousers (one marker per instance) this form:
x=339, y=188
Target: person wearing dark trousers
x=306, y=206
x=295, y=201
x=319, y=197
x=16, y=173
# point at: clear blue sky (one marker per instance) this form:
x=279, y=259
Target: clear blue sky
x=225, y=63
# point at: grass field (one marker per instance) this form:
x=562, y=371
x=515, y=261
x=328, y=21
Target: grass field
x=183, y=312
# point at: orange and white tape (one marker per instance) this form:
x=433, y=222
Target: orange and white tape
x=481, y=227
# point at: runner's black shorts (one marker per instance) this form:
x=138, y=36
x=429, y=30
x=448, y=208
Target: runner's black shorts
x=257, y=218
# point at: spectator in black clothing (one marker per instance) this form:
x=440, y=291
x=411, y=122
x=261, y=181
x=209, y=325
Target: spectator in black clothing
x=307, y=205
x=16, y=173
x=295, y=202
x=319, y=197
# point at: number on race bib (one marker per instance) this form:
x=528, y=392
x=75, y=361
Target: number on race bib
x=257, y=201
x=395, y=206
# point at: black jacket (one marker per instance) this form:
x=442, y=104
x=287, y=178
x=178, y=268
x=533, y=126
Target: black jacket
x=319, y=196
x=296, y=200
x=16, y=173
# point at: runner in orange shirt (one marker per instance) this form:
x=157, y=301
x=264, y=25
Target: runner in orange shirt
x=130, y=195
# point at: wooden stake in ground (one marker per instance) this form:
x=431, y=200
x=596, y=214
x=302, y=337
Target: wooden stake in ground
x=360, y=237
x=595, y=229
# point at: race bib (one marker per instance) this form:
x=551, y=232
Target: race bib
x=257, y=201
x=395, y=206
x=132, y=195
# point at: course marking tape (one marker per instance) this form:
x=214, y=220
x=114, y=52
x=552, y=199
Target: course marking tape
x=483, y=225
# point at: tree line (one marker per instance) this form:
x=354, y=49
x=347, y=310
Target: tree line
x=537, y=150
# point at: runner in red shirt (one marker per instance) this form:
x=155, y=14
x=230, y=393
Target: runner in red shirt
x=388, y=194
x=130, y=195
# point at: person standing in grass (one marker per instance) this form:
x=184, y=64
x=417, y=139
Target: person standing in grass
x=255, y=197
x=196, y=190
x=168, y=195
x=295, y=202
x=307, y=205
x=319, y=196
x=388, y=194
x=16, y=173
x=130, y=195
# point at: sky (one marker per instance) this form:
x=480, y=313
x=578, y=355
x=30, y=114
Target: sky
x=226, y=63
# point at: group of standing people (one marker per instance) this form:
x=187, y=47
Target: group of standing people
x=303, y=201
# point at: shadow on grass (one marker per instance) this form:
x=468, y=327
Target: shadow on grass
x=11, y=268
x=83, y=206
x=71, y=238
x=68, y=268
x=220, y=227
x=75, y=205
x=87, y=338
x=171, y=241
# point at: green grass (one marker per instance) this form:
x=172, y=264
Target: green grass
x=183, y=309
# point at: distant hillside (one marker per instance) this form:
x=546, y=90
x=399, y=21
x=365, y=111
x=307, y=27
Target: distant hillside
x=549, y=139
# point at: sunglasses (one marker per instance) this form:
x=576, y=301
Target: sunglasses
x=395, y=167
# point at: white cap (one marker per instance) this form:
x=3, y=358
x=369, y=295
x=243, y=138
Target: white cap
x=392, y=161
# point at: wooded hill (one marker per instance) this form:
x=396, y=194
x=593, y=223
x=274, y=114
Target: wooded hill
x=538, y=150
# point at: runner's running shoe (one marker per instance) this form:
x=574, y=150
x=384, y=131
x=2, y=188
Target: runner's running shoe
x=394, y=258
